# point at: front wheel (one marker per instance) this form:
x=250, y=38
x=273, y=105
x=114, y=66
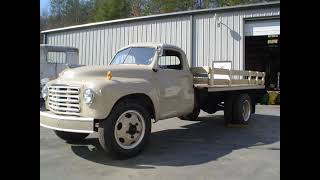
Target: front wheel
x=125, y=132
x=70, y=136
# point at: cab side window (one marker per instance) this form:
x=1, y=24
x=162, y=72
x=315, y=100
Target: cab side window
x=170, y=60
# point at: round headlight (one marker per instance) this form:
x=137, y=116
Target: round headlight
x=88, y=96
x=44, y=92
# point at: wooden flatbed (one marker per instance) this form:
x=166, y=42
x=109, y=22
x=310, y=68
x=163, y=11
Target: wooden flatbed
x=230, y=80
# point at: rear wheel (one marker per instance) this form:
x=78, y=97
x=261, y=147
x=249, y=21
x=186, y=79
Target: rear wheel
x=70, y=136
x=125, y=132
x=242, y=109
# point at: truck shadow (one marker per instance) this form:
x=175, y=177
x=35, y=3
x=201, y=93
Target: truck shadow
x=200, y=142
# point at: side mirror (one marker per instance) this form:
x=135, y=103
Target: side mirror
x=159, y=51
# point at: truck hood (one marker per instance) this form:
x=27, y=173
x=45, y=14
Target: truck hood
x=118, y=71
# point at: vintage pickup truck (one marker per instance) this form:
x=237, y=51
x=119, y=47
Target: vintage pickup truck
x=143, y=82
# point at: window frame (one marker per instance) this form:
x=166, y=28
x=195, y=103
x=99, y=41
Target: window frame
x=178, y=55
x=130, y=49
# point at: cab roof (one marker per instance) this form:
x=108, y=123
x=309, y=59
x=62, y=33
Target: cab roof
x=153, y=44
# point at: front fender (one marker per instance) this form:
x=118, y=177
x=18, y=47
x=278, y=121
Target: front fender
x=109, y=92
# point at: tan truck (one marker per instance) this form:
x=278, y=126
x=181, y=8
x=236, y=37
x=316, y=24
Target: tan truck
x=143, y=82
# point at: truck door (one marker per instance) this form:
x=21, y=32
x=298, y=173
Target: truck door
x=175, y=85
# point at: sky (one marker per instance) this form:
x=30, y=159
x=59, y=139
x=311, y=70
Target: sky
x=44, y=4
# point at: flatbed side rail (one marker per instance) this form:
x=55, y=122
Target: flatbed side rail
x=206, y=76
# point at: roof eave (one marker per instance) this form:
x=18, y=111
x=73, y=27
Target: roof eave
x=229, y=8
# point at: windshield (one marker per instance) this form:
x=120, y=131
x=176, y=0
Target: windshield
x=134, y=55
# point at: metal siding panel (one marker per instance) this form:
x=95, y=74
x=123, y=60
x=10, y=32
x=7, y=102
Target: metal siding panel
x=54, y=56
x=187, y=47
x=158, y=26
x=98, y=45
x=48, y=37
x=133, y=34
x=144, y=33
x=149, y=32
x=241, y=53
x=106, y=46
x=174, y=32
x=170, y=32
x=211, y=39
x=206, y=42
x=71, y=39
x=102, y=47
x=87, y=50
x=111, y=44
x=116, y=39
x=65, y=39
x=83, y=46
x=79, y=44
x=130, y=34
x=236, y=26
x=113, y=37
x=230, y=55
x=178, y=33
x=161, y=31
x=154, y=32
x=218, y=39
x=122, y=36
x=74, y=39
x=60, y=38
x=140, y=33
x=166, y=30
x=224, y=38
x=185, y=36
x=91, y=42
x=200, y=42
x=210, y=42
x=126, y=35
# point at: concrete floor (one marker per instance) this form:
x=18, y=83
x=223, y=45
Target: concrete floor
x=203, y=149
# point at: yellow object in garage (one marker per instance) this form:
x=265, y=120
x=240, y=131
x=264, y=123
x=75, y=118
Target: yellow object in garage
x=272, y=97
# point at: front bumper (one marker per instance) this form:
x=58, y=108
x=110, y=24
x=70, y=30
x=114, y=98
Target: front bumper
x=66, y=123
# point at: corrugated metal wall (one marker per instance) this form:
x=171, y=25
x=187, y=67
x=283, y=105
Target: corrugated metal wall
x=211, y=40
x=219, y=37
x=97, y=45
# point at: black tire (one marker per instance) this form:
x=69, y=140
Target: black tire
x=107, y=128
x=228, y=107
x=237, y=109
x=192, y=116
x=70, y=136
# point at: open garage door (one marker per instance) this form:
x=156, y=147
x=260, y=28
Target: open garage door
x=262, y=27
x=262, y=49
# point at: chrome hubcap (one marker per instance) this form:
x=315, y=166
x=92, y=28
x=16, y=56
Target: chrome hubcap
x=129, y=129
x=246, y=110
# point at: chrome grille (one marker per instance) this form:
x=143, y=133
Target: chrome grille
x=64, y=99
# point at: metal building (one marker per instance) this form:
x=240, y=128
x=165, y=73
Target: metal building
x=205, y=35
